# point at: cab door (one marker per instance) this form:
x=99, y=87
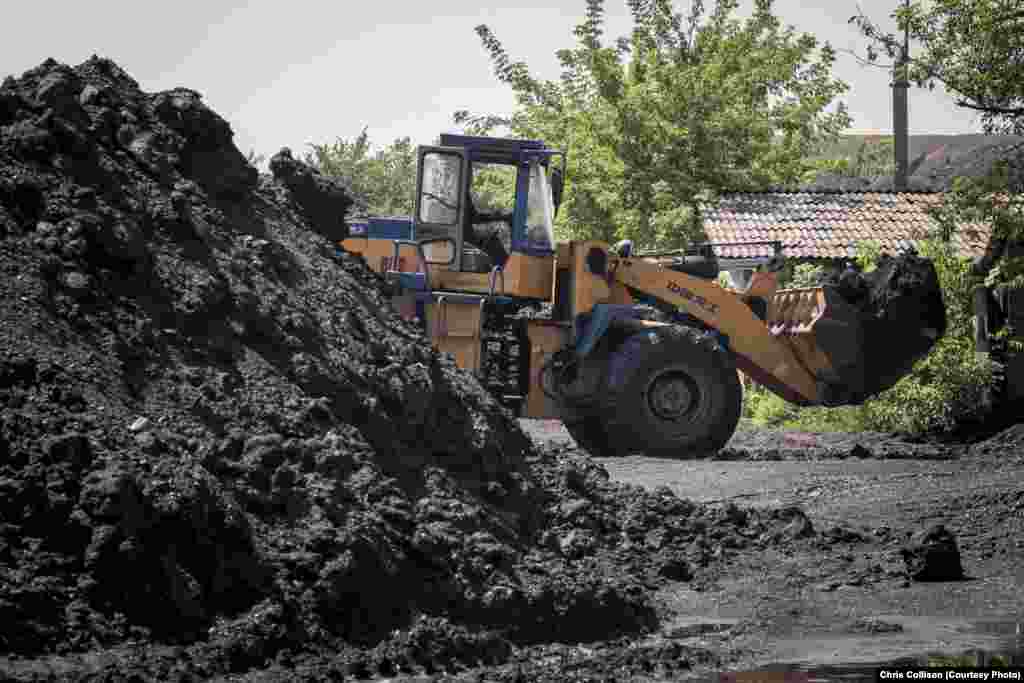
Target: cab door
x=440, y=209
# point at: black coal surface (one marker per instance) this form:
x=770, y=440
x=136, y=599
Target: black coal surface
x=904, y=300
x=897, y=314
x=221, y=450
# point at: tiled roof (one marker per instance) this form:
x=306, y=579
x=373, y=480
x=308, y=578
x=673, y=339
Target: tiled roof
x=828, y=225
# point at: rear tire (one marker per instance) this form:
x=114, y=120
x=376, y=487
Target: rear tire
x=590, y=434
x=672, y=392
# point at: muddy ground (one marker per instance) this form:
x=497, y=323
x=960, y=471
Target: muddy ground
x=224, y=457
x=840, y=600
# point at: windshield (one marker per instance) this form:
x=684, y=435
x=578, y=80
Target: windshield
x=540, y=210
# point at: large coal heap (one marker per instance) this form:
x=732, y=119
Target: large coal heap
x=216, y=433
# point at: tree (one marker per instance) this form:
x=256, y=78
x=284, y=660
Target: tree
x=382, y=181
x=870, y=158
x=975, y=48
x=682, y=108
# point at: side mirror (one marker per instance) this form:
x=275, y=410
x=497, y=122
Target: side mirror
x=557, y=185
x=439, y=251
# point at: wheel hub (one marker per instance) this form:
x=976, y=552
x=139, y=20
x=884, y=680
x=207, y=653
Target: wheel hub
x=671, y=396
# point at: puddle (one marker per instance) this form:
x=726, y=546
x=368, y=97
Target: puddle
x=817, y=673
x=1010, y=629
x=919, y=643
x=696, y=627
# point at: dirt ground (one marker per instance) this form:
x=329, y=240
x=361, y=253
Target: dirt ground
x=223, y=456
x=840, y=600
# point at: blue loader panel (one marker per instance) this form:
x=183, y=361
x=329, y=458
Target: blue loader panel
x=591, y=327
x=393, y=228
x=416, y=282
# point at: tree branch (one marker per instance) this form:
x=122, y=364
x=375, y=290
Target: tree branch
x=1006, y=111
x=864, y=62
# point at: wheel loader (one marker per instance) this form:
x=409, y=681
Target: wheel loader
x=633, y=353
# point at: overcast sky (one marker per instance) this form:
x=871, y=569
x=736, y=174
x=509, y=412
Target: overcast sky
x=293, y=72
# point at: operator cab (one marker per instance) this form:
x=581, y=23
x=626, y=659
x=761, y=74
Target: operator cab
x=479, y=200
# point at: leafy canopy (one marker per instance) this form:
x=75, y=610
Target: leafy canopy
x=975, y=48
x=382, y=182
x=866, y=158
x=682, y=108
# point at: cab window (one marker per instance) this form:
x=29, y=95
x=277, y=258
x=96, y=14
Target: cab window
x=439, y=193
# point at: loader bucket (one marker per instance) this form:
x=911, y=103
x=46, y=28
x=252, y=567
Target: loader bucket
x=860, y=334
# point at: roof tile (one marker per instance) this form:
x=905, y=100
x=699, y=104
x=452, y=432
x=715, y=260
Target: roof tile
x=828, y=225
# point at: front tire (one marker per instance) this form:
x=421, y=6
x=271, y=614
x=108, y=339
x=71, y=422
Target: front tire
x=673, y=392
x=590, y=434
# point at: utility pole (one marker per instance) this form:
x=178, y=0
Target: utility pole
x=900, y=125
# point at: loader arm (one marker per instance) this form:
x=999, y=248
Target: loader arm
x=765, y=358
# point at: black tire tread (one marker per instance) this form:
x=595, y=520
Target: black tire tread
x=590, y=434
x=639, y=354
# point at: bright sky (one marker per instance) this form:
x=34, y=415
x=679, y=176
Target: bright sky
x=308, y=71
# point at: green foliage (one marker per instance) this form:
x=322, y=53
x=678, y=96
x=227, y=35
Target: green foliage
x=975, y=48
x=868, y=253
x=986, y=201
x=382, y=181
x=967, y=660
x=944, y=389
x=494, y=187
x=870, y=158
x=804, y=275
x=684, y=107
x=768, y=410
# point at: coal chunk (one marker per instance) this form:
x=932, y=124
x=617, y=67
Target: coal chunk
x=323, y=199
x=932, y=555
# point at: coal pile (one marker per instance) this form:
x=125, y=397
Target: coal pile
x=221, y=450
